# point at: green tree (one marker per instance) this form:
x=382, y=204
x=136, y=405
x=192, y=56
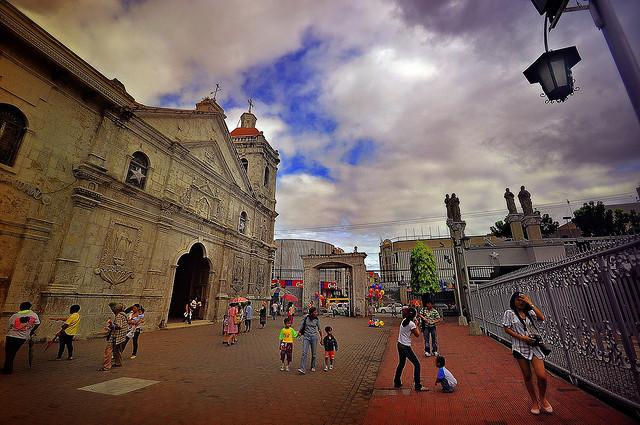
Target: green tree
x=501, y=229
x=593, y=219
x=424, y=273
x=548, y=226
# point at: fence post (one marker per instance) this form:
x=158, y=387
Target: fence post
x=563, y=339
x=617, y=312
x=484, y=322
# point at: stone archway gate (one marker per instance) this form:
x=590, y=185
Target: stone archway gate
x=359, y=281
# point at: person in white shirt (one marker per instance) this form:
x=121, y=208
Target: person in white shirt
x=408, y=328
x=22, y=325
x=519, y=323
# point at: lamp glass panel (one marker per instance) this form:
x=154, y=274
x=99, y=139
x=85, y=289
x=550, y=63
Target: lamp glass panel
x=545, y=77
x=559, y=71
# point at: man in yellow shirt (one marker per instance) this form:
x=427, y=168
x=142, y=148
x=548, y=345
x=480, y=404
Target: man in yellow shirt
x=287, y=334
x=68, y=331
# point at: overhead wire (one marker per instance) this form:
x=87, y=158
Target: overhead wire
x=436, y=218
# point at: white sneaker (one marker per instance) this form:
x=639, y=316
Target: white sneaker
x=132, y=357
x=287, y=369
x=330, y=366
x=435, y=353
x=301, y=372
x=326, y=369
x=427, y=354
x=282, y=368
x=313, y=369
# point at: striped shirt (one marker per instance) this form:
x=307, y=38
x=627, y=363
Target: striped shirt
x=510, y=320
x=119, y=335
x=432, y=317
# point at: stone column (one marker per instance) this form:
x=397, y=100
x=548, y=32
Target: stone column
x=515, y=222
x=532, y=226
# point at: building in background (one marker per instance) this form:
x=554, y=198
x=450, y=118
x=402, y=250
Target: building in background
x=288, y=270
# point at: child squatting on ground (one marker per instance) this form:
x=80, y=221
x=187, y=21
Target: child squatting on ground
x=330, y=347
x=445, y=377
x=287, y=334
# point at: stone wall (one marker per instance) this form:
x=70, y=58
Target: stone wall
x=73, y=231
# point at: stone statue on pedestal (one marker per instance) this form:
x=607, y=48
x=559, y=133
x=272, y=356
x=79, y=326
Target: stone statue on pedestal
x=511, y=203
x=454, y=202
x=525, y=201
x=447, y=203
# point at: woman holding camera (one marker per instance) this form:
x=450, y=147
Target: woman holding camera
x=518, y=322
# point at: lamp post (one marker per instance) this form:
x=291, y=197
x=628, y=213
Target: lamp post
x=605, y=19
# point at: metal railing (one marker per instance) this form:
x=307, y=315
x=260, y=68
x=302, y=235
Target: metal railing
x=591, y=303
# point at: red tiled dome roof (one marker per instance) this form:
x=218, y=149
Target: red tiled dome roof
x=242, y=131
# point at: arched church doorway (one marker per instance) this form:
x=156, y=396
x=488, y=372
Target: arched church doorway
x=191, y=280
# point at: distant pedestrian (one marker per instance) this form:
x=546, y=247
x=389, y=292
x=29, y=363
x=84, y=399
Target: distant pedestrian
x=518, y=322
x=248, y=316
x=274, y=310
x=136, y=322
x=190, y=309
x=68, y=331
x=408, y=328
x=263, y=314
x=233, y=321
x=431, y=319
x=117, y=333
x=445, y=377
x=22, y=326
x=330, y=348
x=291, y=310
x=287, y=335
x=309, y=332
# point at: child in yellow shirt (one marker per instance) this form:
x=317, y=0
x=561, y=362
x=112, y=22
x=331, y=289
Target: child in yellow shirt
x=287, y=334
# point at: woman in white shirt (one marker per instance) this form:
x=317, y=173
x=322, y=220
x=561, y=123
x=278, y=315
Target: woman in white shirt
x=518, y=322
x=408, y=328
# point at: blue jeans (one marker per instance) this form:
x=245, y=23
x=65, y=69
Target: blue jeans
x=446, y=387
x=430, y=331
x=309, y=342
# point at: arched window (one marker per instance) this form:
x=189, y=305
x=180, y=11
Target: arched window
x=245, y=164
x=138, y=169
x=242, y=225
x=12, y=128
x=266, y=176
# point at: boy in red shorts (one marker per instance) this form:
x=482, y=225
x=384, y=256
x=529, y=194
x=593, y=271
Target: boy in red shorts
x=330, y=347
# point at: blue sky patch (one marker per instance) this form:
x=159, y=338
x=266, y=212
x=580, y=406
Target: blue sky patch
x=363, y=149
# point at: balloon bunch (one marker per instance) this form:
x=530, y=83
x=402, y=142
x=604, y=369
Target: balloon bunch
x=375, y=292
x=376, y=323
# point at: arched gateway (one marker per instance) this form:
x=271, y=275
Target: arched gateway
x=357, y=281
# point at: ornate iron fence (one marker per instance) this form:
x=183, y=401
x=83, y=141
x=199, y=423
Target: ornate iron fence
x=591, y=303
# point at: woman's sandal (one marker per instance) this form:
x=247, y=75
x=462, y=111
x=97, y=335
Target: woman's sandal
x=547, y=409
x=422, y=388
x=535, y=410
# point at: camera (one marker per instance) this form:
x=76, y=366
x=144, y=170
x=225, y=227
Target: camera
x=538, y=342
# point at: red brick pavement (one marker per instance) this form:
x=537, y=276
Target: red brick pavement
x=201, y=381
x=490, y=389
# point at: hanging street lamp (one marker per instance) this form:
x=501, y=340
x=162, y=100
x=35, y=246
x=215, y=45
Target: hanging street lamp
x=553, y=71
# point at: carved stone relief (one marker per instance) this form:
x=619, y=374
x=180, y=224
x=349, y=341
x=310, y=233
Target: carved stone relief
x=119, y=254
x=260, y=278
x=237, y=284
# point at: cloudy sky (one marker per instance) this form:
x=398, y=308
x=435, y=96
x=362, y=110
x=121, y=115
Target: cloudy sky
x=378, y=108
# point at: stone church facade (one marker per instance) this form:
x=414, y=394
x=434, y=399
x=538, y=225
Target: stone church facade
x=103, y=199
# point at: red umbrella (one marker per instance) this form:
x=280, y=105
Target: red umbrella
x=290, y=297
x=238, y=300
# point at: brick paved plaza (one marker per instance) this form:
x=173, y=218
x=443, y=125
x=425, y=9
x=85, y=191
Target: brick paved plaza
x=199, y=381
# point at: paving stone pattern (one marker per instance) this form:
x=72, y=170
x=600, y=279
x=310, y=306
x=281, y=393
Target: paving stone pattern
x=490, y=389
x=200, y=380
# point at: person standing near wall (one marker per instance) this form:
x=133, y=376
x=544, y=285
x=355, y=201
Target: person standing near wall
x=68, y=331
x=117, y=333
x=22, y=326
x=309, y=331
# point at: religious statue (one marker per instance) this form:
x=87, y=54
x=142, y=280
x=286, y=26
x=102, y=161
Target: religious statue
x=447, y=203
x=455, y=208
x=525, y=201
x=511, y=203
